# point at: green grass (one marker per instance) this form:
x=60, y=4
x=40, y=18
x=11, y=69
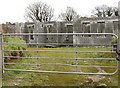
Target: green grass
x=12, y=78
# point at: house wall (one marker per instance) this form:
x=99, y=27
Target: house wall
x=84, y=25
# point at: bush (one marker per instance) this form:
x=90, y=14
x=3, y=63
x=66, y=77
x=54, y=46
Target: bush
x=113, y=41
x=14, y=43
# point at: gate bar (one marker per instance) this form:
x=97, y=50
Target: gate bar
x=66, y=58
x=64, y=51
x=58, y=72
x=23, y=34
x=59, y=64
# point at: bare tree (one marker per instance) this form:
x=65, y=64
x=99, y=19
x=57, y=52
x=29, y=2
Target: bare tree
x=39, y=11
x=115, y=10
x=104, y=11
x=69, y=14
x=109, y=11
x=97, y=12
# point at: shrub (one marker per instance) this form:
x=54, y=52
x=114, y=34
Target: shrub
x=113, y=41
x=14, y=43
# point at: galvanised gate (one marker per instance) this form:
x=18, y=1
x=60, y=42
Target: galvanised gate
x=41, y=62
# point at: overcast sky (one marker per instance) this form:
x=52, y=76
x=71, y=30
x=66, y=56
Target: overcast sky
x=13, y=10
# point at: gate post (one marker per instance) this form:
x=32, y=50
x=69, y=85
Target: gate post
x=1, y=61
x=118, y=44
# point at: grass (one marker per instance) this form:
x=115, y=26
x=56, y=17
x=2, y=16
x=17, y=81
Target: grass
x=13, y=78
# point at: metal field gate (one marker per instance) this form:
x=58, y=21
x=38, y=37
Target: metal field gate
x=58, y=57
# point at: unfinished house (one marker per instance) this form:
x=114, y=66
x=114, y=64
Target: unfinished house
x=82, y=25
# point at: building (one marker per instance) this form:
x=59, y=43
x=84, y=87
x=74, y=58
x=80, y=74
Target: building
x=83, y=25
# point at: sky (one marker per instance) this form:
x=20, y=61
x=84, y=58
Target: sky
x=14, y=10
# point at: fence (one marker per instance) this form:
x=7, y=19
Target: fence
x=60, y=60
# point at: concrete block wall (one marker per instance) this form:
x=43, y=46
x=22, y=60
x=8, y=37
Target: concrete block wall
x=83, y=25
x=80, y=26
